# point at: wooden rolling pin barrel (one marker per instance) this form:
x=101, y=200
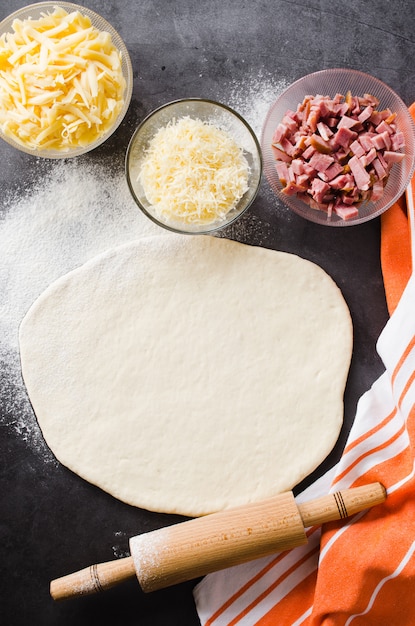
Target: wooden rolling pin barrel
x=203, y=545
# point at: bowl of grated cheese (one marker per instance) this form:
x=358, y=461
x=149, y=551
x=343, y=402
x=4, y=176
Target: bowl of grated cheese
x=65, y=79
x=193, y=166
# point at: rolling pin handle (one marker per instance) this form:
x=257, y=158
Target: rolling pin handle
x=92, y=579
x=341, y=504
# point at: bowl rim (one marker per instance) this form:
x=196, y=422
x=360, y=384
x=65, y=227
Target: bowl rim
x=159, y=109
x=128, y=75
x=336, y=71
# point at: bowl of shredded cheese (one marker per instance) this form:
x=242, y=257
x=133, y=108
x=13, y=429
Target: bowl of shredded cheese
x=65, y=79
x=193, y=166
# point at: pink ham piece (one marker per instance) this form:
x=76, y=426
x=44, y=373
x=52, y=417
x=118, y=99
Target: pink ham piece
x=383, y=127
x=365, y=114
x=346, y=212
x=380, y=170
x=319, y=189
x=360, y=175
x=324, y=131
x=398, y=140
x=347, y=122
x=280, y=132
x=344, y=137
x=368, y=157
x=356, y=148
x=377, y=191
x=292, y=189
x=344, y=181
x=321, y=162
x=282, y=171
x=393, y=157
x=280, y=155
x=334, y=170
x=366, y=140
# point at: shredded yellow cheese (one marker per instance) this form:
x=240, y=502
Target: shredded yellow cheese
x=61, y=81
x=193, y=172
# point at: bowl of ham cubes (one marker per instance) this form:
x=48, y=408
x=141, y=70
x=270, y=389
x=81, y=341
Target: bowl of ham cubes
x=338, y=147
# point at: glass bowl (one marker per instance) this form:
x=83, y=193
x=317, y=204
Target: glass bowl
x=331, y=82
x=209, y=112
x=38, y=10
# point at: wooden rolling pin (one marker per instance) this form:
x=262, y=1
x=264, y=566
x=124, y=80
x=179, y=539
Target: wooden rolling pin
x=203, y=545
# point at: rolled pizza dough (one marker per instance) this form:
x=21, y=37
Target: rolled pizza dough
x=189, y=374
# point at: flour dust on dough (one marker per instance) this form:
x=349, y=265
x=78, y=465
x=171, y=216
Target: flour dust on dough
x=189, y=374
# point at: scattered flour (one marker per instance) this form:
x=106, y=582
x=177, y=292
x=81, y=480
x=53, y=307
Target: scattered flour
x=253, y=97
x=72, y=214
x=120, y=550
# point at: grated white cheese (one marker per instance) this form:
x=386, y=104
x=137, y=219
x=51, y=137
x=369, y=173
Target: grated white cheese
x=61, y=81
x=193, y=172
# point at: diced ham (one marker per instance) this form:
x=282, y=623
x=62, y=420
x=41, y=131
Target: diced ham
x=312, y=120
x=282, y=171
x=365, y=114
x=319, y=189
x=393, y=157
x=289, y=123
x=383, y=127
x=323, y=108
x=398, y=140
x=360, y=175
x=280, y=155
x=368, y=157
x=341, y=182
x=320, y=162
x=319, y=144
x=291, y=175
x=324, y=131
x=332, y=122
x=382, y=160
x=297, y=166
x=280, y=132
x=365, y=140
x=344, y=137
x=386, y=140
x=292, y=114
x=303, y=180
x=334, y=170
x=347, y=122
x=378, y=142
x=292, y=189
x=342, y=109
x=346, y=212
x=300, y=143
x=308, y=152
x=356, y=148
x=288, y=147
x=369, y=99
x=377, y=191
x=380, y=170
x=375, y=118
x=347, y=199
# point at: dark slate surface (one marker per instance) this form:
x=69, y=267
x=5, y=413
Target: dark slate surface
x=51, y=521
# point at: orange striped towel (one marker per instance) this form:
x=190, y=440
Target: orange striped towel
x=359, y=572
